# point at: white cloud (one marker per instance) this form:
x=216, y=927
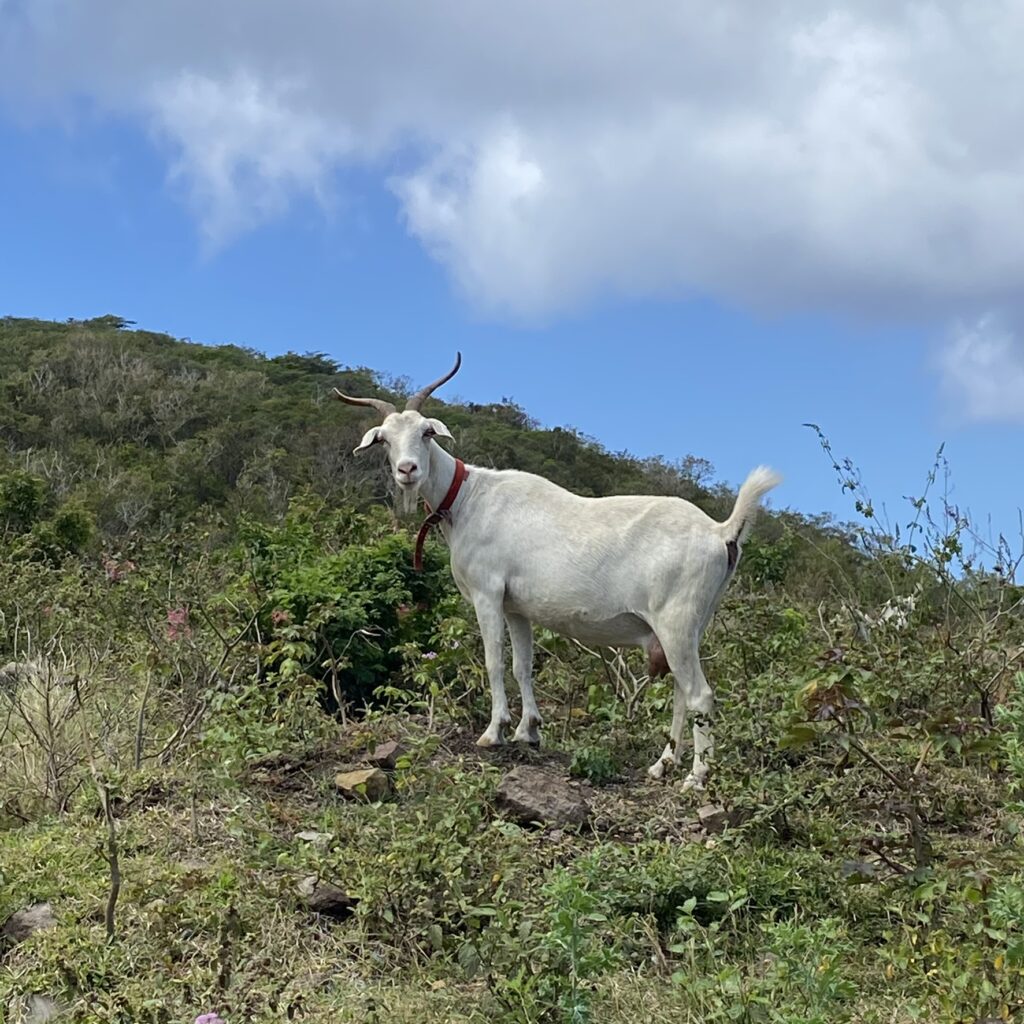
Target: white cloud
x=858, y=157
x=983, y=370
x=243, y=147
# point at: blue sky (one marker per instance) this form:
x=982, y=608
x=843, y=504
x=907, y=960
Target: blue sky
x=599, y=247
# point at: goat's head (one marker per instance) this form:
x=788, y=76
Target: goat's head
x=406, y=436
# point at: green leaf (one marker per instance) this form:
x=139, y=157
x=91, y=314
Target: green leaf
x=469, y=959
x=798, y=736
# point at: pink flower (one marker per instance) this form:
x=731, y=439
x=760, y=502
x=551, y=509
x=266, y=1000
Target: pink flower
x=178, y=627
x=279, y=617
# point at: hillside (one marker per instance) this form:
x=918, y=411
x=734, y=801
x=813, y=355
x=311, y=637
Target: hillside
x=101, y=412
x=209, y=612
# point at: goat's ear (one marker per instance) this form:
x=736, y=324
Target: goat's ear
x=439, y=429
x=370, y=438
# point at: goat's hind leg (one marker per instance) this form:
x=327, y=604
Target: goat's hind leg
x=692, y=693
x=492, y=630
x=701, y=702
x=521, y=635
x=657, y=666
x=670, y=755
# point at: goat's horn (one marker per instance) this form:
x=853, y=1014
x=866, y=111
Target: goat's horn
x=424, y=393
x=384, y=408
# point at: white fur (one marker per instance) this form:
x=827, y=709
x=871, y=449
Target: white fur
x=616, y=571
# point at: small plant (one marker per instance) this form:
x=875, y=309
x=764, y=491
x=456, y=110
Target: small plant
x=1011, y=717
x=595, y=764
x=564, y=954
x=831, y=707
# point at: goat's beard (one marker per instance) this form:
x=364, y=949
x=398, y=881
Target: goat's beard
x=408, y=498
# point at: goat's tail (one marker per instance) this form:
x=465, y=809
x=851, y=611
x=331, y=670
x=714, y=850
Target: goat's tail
x=755, y=487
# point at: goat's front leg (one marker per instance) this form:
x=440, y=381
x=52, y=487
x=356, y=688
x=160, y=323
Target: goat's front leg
x=521, y=635
x=492, y=630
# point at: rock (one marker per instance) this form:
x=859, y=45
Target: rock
x=364, y=784
x=318, y=839
x=35, y=1008
x=713, y=818
x=387, y=754
x=40, y=1008
x=325, y=898
x=24, y=923
x=531, y=795
x=858, y=870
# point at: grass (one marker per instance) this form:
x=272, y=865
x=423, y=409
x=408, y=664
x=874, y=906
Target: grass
x=464, y=916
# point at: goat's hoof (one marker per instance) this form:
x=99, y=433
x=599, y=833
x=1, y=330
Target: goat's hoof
x=693, y=783
x=656, y=771
x=489, y=739
x=531, y=737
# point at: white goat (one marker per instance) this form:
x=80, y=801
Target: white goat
x=619, y=571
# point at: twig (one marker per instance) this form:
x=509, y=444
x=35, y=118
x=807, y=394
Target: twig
x=111, y=858
x=141, y=721
x=103, y=791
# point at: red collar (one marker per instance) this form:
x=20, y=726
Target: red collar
x=442, y=512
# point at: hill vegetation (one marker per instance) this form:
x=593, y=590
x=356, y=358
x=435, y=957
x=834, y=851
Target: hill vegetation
x=208, y=610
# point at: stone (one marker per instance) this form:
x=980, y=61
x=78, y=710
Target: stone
x=35, y=1008
x=858, y=870
x=363, y=784
x=713, y=818
x=24, y=923
x=387, y=754
x=40, y=1008
x=320, y=840
x=531, y=795
x=324, y=898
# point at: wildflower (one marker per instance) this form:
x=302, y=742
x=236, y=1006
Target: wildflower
x=178, y=627
x=209, y=1018
x=279, y=617
x=430, y=655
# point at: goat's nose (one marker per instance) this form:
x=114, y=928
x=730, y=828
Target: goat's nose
x=407, y=467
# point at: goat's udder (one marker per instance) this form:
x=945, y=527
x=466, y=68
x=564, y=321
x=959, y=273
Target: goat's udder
x=657, y=663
